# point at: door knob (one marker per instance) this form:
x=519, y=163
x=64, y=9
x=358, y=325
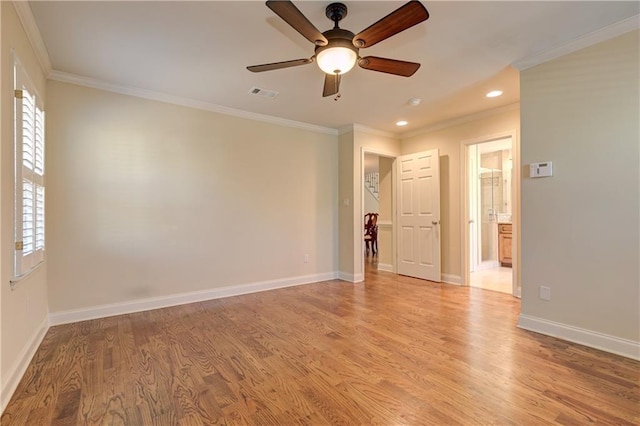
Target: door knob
x=435, y=222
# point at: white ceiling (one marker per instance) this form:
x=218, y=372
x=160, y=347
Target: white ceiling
x=200, y=50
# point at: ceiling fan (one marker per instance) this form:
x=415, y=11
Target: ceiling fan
x=337, y=49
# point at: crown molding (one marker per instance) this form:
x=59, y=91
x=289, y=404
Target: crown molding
x=595, y=37
x=372, y=131
x=186, y=102
x=23, y=9
x=364, y=129
x=345, y=129
x=462, y=120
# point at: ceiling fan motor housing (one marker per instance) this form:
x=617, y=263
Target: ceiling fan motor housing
x=338, y=38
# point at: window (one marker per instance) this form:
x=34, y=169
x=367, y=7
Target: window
x=29, y=175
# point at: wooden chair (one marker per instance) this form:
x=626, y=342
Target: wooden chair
x=371, y=232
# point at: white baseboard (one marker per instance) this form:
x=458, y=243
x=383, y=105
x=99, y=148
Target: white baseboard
x=451, y=279
x=593, y=339
x=352, y=278
x=385, y=267
x=83, y=314
x=16, y=372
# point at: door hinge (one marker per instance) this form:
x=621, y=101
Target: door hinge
x=18, y=94
x=19, y=245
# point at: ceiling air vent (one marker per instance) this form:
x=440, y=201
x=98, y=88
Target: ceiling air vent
x=270, y=94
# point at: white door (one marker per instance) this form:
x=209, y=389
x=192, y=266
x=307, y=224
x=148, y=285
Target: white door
x=419, y=215
x=474, y=208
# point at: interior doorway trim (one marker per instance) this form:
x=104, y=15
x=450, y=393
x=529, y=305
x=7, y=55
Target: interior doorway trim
x=359, y=247
x=515, y=197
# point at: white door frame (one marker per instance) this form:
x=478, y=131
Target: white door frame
x=473, y=208
x=360, y=246
x=515, y=209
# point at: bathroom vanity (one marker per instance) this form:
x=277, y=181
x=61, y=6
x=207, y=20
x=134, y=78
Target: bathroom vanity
x=504, y=243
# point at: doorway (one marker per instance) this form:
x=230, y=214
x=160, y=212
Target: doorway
x=490, y=196
x=371, y=206
x=377, y=189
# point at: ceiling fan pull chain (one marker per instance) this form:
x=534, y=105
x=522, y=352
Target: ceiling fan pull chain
x=337, y=87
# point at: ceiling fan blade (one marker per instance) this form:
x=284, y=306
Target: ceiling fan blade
x=279, y=65
x=390, y=66
x=331, y=85
x=399, y=20
x=292, y=16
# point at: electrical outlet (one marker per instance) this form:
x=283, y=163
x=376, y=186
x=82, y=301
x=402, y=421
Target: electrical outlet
x=306, y=258
x=545, y=292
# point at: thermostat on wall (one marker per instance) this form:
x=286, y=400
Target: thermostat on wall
x=540, y=169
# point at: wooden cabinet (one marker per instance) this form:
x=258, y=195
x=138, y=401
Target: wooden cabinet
x=504, y=244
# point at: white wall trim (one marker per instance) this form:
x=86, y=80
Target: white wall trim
x=178, y=100
x=352, y=278
x=462, y=120
x=451, y=279
x=593, y=339
x=385, y=267
x=365, y=129
x=83, y=314
x=23, y=9
x=23, y=360
x=598, y=36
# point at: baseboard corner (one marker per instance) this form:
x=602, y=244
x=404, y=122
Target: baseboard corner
x=349, y=277
x=451, y=279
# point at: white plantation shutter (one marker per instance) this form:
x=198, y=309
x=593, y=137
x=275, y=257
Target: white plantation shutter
x=28, y=224
x=39, y=218
x=30, y=190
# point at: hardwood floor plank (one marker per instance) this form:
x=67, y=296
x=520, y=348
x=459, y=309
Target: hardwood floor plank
x=392, y=350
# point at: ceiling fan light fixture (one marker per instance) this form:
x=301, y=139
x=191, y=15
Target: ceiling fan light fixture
x=336, y=60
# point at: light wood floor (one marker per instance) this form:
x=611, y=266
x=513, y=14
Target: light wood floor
x=496, y=279
x=390, y=351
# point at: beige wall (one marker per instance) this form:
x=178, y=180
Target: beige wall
x=385, y=227
x=371, y=203
x=148, y=199
x=347, y=261
x=448, y=141
x=24, y=309
x=386, y=189
x=580, y=228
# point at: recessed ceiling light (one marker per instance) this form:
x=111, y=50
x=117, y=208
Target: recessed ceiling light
x=402, y=123
x=494, y=93
x=415, y=101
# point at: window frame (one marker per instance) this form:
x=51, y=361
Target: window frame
x=29, y=171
